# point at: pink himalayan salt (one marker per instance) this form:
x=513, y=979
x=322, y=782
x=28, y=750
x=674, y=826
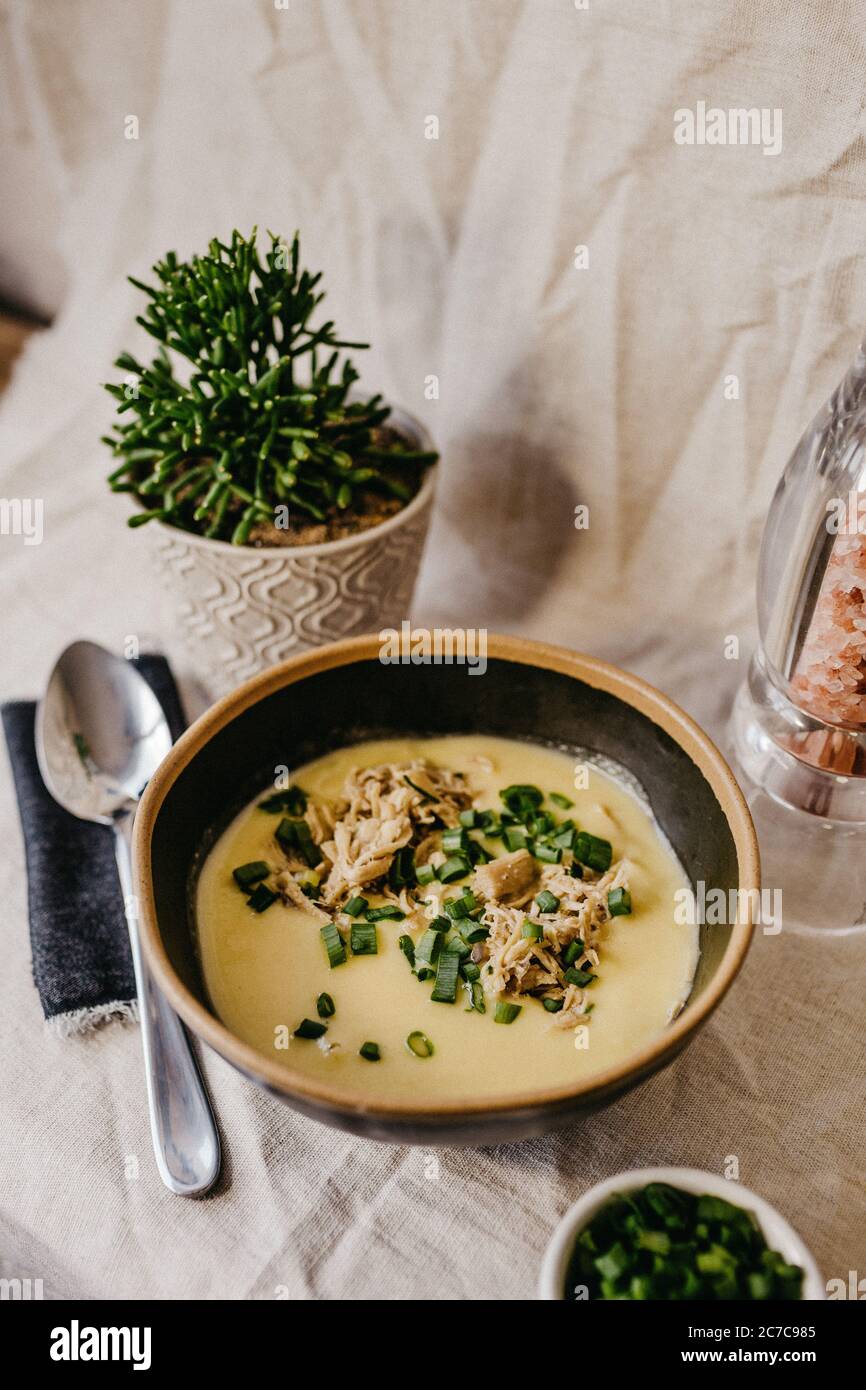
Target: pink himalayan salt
x=830, y=678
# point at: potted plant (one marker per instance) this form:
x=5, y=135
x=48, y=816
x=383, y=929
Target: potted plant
x=288, y=509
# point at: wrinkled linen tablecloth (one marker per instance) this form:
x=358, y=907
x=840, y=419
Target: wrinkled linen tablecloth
x=557, y=386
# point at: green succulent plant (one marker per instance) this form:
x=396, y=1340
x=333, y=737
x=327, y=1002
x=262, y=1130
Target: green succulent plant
x=260, y=419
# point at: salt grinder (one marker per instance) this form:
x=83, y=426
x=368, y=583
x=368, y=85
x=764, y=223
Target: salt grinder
x=799, y=722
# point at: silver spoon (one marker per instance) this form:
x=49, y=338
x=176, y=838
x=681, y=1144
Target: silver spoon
x=101, y=733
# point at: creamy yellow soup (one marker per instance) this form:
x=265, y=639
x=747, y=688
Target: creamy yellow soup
x=265, y=971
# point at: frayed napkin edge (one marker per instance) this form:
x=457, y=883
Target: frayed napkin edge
x=79, y=1022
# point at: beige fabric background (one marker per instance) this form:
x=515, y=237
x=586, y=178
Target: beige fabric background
x=557, y=386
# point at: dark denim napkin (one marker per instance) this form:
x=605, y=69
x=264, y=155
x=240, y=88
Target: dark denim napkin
x=81, y=961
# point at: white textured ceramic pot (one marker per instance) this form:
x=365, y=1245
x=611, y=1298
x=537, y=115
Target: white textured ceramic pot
x=241, y=609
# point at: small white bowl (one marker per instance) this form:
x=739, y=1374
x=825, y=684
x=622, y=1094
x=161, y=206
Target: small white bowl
x=777, y=1233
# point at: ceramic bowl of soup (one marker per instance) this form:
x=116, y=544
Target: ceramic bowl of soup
x=445, y=902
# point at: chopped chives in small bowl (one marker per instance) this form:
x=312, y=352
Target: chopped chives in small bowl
x=661, y=1242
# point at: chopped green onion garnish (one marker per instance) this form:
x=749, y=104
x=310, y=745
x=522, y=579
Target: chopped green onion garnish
x=248, y=874
x=619, y=902
x=362, y=939
x=295, y=835
x=261, y=898
x=553, y=1006
x=506, y=1013
x=334, y=944
x=445, y=989
x=308, y=882
x=478, y=854
x=564, y=836
x=476, y=995
x=308, y=1028
x=454, y=839
x=428, y=947
x=456, y=867
x=516, y=837
x=420, y=1045
x=309, y=849
x=489, y=822
x=440, y=924
x=286, y=833
x=325, y=1006
x=468, y=819
x=575, y=870
x=548, y=854
x=370, y=1052
x=470, y=971
x=573, y=951
x=532, y=931
x=424, y=974
x=388, y=913
x=462, y=906
x=293, y=800
x=407, y=946
x=592, y=851
x=402, y=871
x=458, y=947
x=546, y=902
x=355, y=906
x=559, y=800
x=472, y=931
x=522, y=799
x=581, y=978
x=425, y=873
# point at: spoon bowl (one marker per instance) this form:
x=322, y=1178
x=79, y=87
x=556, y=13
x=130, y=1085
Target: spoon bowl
x=101, y=733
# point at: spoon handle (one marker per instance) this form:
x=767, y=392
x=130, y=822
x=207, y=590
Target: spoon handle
x=185, y=1138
